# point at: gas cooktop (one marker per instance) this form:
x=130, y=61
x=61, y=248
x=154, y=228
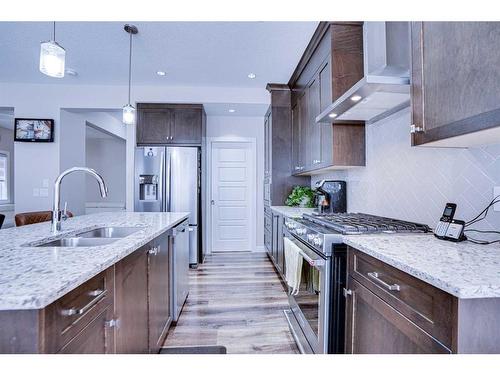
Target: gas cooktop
x=358, y=223
x=321, y=231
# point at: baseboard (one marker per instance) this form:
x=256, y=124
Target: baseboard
x=260, y=249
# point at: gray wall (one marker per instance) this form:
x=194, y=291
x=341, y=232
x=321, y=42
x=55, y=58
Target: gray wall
x=107, y=157
x=414, y=183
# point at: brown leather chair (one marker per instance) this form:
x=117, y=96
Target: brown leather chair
x=2, y=218
x=27, y=218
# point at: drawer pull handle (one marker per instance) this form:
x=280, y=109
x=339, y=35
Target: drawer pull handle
x=375, y=276
x=347, y=292
x=99, y=294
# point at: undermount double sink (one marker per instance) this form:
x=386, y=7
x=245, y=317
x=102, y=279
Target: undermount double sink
x=93, y=237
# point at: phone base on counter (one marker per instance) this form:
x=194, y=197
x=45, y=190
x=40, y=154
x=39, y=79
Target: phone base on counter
x=451, y=231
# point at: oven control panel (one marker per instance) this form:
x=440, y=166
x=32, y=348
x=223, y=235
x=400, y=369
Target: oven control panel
x=305, y=233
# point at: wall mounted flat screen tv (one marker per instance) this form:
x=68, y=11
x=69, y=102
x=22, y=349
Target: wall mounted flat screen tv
x=33, y=130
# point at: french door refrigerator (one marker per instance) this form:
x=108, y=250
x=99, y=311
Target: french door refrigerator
x=167, y=179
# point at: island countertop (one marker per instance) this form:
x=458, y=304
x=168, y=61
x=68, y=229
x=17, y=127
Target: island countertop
x=33, y=277
x=463, y=269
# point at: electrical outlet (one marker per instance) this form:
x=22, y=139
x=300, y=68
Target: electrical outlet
x=44, y=192
x=45, y=183
x=496, y=193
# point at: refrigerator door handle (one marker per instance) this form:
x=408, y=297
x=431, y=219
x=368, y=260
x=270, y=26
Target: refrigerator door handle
x=162, y=167
x=168, y=179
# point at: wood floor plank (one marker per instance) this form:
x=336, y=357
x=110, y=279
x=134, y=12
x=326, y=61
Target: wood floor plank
x=235, y=300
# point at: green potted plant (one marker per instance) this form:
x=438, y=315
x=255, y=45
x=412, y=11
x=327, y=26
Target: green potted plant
x=301, y=196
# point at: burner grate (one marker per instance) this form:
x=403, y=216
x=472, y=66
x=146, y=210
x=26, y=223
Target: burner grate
x=358, y=223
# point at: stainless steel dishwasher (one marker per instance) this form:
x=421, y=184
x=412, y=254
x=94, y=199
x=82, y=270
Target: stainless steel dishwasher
x=180, y=268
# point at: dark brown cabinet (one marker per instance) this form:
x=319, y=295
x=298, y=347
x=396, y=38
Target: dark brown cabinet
x=96, y=338
x=273, y=234
x=160, y=315
x=182, y=124
x=454, y=82
x=278, y=139
x=375, y=327
x=131, y=302
x=331, y=65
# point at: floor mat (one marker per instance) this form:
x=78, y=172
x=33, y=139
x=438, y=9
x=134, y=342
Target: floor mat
x=214, y=349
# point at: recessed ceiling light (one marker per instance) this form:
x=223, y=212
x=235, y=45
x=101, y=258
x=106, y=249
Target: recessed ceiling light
x=251, y=75
x=161, y=73
x=232, y=110
x=71, y=72
x=332, y=115
x=356, y=98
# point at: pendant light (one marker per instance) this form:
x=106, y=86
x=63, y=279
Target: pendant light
x=129, y=110
x=52, y=57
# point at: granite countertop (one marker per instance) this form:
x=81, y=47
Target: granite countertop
x=463, y=269
x=292, y=212
x=33, y=277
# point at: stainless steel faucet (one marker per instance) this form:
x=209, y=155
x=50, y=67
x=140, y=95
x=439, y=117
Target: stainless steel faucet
x=56, y=212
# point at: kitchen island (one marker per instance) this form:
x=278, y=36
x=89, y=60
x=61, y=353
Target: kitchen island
x=73, y=299
x=414, y=293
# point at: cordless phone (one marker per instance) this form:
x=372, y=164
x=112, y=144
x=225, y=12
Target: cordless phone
x=448, y=228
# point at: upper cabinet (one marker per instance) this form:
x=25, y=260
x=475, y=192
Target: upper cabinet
x=454, y=92
x=332, y=62
x=278, y=155
x=170, y=124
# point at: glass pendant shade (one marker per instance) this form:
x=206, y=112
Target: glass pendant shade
x=128, y=115
x=52, y=59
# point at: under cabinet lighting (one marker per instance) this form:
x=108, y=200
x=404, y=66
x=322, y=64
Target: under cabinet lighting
x=232, y=110
x=356, y=98
x=161, y=73
x=251, y=75
x=332, y=115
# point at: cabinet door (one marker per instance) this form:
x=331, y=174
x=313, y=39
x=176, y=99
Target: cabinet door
x=304, y=155
x=296, y=132
x=325, y=83
x=314, y=129
x=374, y=327
x=96, y=338
x=455, y=79
x=281, y=250
x=131, y=302
x=267, y=146
x=160, y=315
x=186, y=126
x=153, y=125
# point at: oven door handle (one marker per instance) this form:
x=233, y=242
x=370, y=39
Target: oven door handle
x=317, y=261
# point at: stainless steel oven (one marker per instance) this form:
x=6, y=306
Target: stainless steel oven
x=308, y=316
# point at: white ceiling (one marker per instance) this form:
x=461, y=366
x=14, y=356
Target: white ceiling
x=192, y=53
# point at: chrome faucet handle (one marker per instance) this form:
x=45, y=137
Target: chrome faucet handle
x=64, y=215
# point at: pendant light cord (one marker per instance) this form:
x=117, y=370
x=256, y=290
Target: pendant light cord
x=129, y=68
x=54, y=32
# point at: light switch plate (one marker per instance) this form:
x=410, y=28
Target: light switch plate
x=44, y=192
x=36, y=192
x=496, y=192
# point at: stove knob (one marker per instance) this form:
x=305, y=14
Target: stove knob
x=318, y=241
x=301, y=231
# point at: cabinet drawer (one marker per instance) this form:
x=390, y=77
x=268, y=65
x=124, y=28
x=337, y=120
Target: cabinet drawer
x=268, y=222
x=71, y=313
x=429, y=308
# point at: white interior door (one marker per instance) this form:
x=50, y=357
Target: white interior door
x=232, y=196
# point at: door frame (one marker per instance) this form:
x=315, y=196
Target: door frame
x=253, y=193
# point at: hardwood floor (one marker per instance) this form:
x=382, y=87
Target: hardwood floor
x=235, y=300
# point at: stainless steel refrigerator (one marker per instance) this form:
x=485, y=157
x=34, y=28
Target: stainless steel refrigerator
x=167, y=179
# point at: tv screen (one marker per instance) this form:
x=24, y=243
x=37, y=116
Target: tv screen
x=34, y=130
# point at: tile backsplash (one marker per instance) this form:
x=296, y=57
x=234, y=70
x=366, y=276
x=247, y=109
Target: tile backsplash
x=414, y=183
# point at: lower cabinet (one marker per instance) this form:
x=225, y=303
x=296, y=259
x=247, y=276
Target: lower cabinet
x=160, y=314
x=96, y=338
x=131, y=302
x=273, y=241
x=391, y=312
x=376, y=327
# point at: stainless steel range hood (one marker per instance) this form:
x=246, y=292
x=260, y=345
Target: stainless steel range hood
x=385, y=88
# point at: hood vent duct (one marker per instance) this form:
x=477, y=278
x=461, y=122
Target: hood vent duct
x=385, y=87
